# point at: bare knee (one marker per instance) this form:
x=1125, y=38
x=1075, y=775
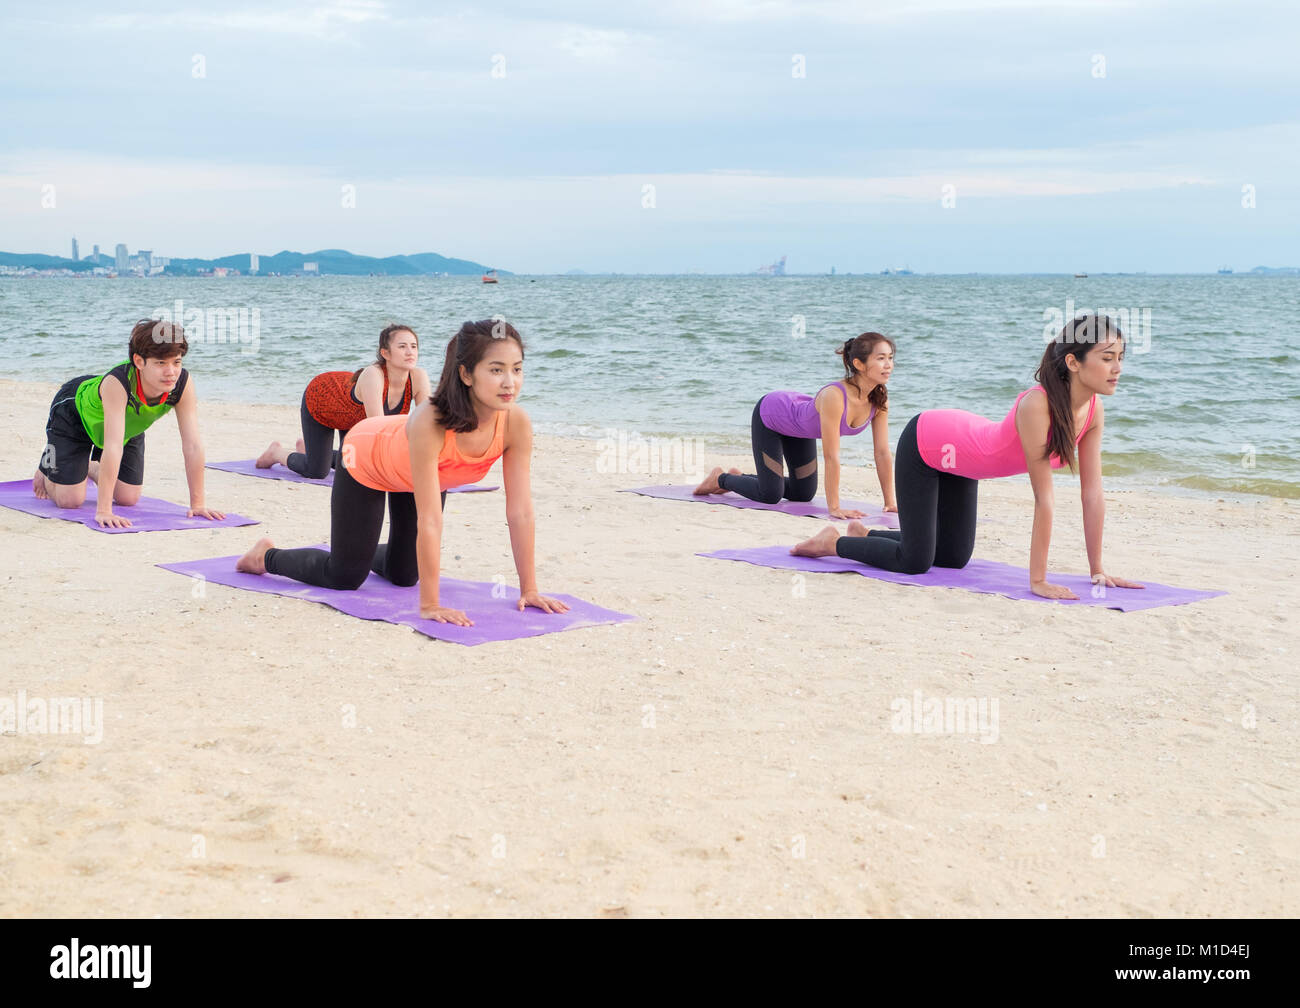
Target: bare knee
x=126, y=494
x=67, y=496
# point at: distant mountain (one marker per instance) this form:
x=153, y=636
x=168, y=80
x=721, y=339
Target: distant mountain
x=1278, y=270
x=329, y=262
x=338, y=262
x=38, y=261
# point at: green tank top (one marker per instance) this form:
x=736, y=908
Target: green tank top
x=140, y=416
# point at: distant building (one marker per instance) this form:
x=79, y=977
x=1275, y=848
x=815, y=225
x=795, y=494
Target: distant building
x=252, y=262
x=311, y=267
x=95, y=255
x=146, y=258
x=123, y=260
x=76, y=256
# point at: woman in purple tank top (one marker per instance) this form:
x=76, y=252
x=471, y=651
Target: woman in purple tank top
x=789, y=424
x=943, y=454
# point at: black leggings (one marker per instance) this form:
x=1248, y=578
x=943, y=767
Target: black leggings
x=321, y=455
x=771, y=485
x=936, y=518
x=356, y=520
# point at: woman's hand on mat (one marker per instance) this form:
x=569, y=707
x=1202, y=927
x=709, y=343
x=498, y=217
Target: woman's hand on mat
x=107, y=519
x=1046, y=590
x=441, y=615
x=205, y=512
x=543, y=602
x=840, y=512
x=892, y=508
x=1103, y=578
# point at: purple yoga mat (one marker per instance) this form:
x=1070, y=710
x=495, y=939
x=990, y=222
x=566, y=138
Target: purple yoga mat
x=248, y=467
x=495, y=619
x=813, y=509
x=150, y=515
x=982, y=576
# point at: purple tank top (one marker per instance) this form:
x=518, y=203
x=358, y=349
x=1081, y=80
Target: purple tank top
x=794, y=414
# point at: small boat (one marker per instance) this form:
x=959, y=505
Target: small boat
x=490, y=276
x=1081, y=276
x=1225, y=271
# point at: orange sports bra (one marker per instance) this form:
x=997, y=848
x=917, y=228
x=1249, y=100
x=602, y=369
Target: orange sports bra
x=377, y=454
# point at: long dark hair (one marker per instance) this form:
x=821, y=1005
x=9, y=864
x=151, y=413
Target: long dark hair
x=861, y=348
x=1078, y=336
x=385, y=337
x=466, y=349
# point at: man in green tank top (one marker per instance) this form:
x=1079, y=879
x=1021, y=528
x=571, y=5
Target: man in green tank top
x=97, y=423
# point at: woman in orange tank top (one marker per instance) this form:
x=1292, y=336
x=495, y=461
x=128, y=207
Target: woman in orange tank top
x=338, y=400
x=471, y=421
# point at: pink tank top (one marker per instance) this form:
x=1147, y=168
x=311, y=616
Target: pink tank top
x=961, y=443
x=794, y=414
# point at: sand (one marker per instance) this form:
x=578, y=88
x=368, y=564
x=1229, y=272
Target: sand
x=732, y=752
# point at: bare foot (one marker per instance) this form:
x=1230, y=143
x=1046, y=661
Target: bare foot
x=92, y=472
x=820, y=545
x=300, y=446
x=254, y=561
x=267, y=458
x=710, y=484
x=856, y=528
x=38, y=486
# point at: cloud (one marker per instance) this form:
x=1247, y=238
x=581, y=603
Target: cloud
x=328, y=21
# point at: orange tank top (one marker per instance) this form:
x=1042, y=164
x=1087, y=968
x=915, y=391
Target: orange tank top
x=377, y=454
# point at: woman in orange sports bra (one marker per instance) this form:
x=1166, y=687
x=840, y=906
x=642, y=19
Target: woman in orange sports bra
x=470, y=422
x=339, y=400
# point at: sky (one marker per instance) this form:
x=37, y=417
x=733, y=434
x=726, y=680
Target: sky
x=688, y=135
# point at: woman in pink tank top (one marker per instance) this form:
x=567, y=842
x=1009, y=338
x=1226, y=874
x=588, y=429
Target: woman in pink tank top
x=471, y=420
x=789, y=424
x=942, y=455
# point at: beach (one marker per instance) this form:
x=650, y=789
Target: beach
x=734, y=751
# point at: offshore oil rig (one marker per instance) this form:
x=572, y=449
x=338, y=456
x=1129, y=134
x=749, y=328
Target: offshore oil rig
x=776, y=269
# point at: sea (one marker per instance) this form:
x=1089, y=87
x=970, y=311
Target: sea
x=1209, y=401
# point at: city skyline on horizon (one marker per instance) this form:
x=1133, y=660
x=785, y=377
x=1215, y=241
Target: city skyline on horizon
x=902, y=269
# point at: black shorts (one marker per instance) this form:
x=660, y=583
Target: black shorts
x=69, y=450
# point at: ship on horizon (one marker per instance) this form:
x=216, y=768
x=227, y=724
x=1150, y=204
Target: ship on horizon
x=776, y=269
